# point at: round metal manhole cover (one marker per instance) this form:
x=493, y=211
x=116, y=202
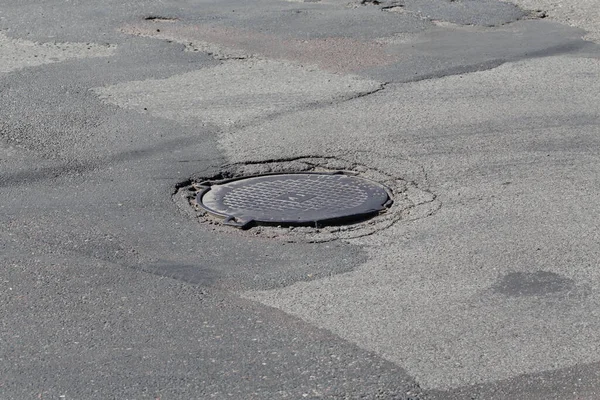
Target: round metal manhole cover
x=307, y=198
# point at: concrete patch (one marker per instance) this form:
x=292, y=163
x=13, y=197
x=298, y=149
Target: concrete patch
x=510, y=154
x=19, y=53
x=236, y=92
x=409, y=113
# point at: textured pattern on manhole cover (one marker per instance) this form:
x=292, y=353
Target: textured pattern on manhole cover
x=294, y=199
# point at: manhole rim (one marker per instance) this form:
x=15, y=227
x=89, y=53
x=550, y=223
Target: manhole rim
x=229, y=220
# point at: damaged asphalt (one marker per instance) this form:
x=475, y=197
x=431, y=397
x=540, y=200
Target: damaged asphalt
x=486, y=288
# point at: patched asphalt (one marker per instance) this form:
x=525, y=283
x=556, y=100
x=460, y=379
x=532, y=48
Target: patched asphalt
x=486, y=287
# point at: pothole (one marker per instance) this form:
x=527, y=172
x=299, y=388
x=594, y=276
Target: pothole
x=306, y=199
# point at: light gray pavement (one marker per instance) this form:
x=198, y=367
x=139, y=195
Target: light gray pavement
x=582, y=13
x=110, y=289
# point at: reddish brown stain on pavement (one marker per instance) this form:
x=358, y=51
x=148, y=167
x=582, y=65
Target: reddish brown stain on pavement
x=334, y=54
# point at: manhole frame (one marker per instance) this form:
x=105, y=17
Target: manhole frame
x=229, y=220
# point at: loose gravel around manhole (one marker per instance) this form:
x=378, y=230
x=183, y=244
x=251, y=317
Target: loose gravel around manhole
x=307, y=199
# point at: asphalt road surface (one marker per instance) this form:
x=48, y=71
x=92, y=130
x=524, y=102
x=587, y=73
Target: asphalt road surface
x=481, y=282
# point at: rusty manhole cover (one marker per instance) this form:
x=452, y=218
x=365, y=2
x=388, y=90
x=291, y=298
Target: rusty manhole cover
x=293, y=199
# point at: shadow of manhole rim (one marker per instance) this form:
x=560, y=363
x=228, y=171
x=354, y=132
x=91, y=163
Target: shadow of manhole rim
x=288, y=199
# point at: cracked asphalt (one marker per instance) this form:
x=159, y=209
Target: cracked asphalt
x=485, y=115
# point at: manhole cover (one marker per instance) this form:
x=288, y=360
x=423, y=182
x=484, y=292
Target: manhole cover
x=307, y=198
